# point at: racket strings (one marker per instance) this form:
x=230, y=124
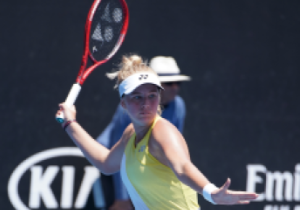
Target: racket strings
x=105, y=29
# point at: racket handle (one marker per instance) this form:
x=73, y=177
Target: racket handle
x=71, y=98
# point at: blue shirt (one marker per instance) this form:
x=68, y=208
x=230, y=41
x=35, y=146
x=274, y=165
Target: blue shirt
x=173, y=112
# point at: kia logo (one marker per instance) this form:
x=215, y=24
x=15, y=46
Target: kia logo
x=40, y=185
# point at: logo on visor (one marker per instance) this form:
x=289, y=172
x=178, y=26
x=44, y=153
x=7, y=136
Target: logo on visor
x=143, y=76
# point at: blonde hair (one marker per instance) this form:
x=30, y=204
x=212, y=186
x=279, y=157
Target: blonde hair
x=130, y=65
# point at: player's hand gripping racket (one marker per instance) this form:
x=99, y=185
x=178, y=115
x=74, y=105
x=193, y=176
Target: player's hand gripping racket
x=105, y=30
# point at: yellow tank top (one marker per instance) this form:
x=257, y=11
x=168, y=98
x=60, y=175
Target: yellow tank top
x=150, y=184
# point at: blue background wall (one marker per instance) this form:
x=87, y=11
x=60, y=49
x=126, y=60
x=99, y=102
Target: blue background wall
x=242, y=102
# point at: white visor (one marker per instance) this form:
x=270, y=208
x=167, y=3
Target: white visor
x=135, y=80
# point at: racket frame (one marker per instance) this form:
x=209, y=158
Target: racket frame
x=83, y=71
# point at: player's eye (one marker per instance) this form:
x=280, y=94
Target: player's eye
x=137, y=97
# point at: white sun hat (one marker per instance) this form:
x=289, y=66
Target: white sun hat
x=167, y=69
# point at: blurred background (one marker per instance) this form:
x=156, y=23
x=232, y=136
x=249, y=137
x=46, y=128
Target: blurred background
x=243, y=112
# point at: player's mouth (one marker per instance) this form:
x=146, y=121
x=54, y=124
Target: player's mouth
x=145, y=113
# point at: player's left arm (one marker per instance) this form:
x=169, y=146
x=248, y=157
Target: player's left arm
x=170, y=148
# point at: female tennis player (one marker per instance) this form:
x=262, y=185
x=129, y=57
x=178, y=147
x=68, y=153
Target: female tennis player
x=152, y=155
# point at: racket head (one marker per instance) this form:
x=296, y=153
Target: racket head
x=106, y=27
x=109, y=23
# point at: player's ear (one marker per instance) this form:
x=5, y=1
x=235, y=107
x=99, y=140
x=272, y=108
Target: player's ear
x=123, y=104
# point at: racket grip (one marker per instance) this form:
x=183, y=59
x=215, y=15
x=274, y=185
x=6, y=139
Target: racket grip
x=70, y=100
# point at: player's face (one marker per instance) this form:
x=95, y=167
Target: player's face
x=171, y=89
x=142, y=103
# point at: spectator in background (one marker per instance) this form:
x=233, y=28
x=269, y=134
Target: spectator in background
x=173, y=109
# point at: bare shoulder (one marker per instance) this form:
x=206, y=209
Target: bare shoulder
x=128, y=132
x=165, y=141
x=164, y=131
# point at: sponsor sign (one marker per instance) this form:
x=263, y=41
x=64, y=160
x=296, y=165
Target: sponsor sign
x=279, y=190
x=58, y=178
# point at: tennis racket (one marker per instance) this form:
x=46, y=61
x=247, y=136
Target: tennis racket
x=105, y=30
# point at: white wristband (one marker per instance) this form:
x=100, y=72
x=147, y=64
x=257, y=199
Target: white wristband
x=207, y=190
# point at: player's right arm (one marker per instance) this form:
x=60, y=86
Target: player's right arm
x=107, y=161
